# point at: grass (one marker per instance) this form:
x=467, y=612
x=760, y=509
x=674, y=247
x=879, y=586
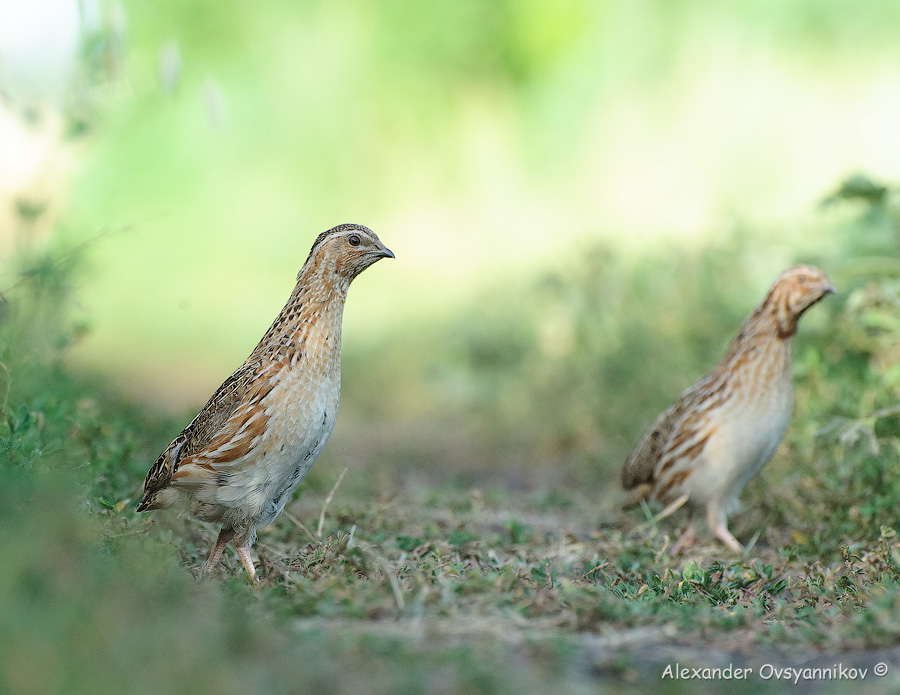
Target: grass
x=427, y=583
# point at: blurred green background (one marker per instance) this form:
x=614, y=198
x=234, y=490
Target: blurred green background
x=585, y=198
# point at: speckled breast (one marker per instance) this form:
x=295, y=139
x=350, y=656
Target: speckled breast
x=755, y=423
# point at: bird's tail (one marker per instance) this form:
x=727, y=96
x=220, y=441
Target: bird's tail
x=157, y=499
x=148, y=502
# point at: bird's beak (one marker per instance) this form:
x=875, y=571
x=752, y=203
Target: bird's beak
x=385, y=252
x=828, y=288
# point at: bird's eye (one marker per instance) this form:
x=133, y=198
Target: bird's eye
x=801, y=279
x=353, y=240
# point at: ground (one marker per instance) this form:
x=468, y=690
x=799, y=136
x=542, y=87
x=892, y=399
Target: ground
x=548, y=578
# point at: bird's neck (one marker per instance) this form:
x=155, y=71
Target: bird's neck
x=761, y=338
x=776, y=311
x=319, y=282
x=310, y=322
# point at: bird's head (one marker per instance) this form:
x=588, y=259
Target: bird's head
x=795, y=291
x=345, y=251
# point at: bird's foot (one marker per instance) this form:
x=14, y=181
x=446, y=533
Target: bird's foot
x=215, y=554
x=724, y=535
x=247, y=562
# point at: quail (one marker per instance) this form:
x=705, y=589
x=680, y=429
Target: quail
x=239, y=460
x=722, y=430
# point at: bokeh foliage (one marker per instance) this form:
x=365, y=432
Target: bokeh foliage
x=483, y=141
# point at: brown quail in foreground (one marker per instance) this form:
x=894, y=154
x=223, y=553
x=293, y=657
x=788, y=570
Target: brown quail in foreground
x=725, y=428
x=238, y=462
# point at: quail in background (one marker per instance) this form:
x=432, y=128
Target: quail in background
x=722, y=430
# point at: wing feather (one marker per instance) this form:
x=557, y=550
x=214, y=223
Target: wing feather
x=677, y=428
x=204, y=430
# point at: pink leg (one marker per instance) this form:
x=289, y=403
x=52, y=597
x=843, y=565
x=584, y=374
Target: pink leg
x=247, y=562
x=225, y=535
x=718, y=524
x=725, y=536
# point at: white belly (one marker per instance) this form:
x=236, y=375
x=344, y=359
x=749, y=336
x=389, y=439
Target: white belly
x=300, y=421
x=746, y=439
